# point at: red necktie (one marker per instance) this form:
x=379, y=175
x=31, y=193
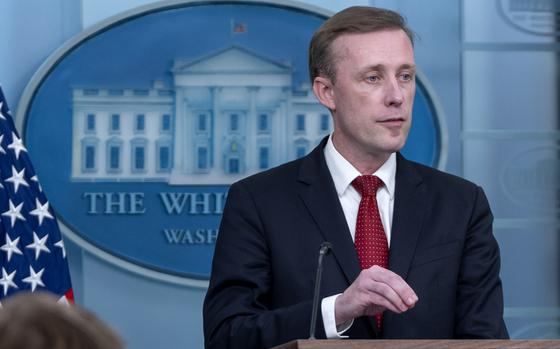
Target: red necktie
x=370, y=239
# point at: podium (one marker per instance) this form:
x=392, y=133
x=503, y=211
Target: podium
x=420, y=344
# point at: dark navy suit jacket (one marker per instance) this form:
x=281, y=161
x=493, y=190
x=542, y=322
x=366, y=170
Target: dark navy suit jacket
x=261, y=288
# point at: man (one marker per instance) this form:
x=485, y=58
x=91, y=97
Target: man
x=413, y=253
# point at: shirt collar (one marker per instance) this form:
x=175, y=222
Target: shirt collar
x=343, y=173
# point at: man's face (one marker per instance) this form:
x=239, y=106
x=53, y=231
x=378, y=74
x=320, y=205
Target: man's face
x=371, y=98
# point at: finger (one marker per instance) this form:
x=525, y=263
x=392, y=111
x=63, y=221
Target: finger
x=380, y=302
x=382, y=294
x=365, y=293
x=396, y=283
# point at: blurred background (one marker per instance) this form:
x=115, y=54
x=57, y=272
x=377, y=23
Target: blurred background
x=492, y=67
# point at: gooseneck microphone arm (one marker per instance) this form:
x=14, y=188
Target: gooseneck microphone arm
x=323, y=250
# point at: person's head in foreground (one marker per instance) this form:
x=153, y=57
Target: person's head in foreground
x=38, y=321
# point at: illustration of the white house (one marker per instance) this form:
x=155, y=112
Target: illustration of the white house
x=229, y=114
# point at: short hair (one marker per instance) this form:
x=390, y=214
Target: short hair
x=353, y=20
x=37, y=321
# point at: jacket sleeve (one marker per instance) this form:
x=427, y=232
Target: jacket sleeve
x=237, y=309
x=479, y=312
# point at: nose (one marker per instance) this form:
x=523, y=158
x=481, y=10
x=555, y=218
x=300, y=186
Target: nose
x=393, y=93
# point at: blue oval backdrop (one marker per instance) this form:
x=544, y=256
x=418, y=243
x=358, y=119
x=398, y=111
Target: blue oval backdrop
x=138, y=129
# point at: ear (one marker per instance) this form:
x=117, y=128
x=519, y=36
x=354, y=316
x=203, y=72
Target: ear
x=323, y=89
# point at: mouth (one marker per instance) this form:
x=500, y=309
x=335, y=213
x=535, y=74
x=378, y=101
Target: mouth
x=393, y=122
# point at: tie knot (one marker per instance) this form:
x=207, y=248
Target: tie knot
x=367, y=185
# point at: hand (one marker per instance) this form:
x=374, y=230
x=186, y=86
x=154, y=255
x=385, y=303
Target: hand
x=373, y=291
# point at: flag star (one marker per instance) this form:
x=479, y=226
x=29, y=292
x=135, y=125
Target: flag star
x=14, y=212
x=34, y=278
x=41, y=211
x=17, y=179
x=62, y=300
x=2, y=150
x=36, y=180
x=16, y=145
x=7, y=281
x=61, y=245
x=39, y=245
x=1, y=114
x=10, y=247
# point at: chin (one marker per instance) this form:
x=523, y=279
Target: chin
x=395, y=146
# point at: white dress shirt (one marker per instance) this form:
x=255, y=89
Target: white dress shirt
x=343, y=173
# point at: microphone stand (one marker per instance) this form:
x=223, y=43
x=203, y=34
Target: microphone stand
x=323, y=250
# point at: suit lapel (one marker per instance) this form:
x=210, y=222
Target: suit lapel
x=408, y=215
x=317, y=190
x=318, y=193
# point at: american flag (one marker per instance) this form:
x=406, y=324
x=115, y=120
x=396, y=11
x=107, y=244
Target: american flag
x=238, y=27
x=32, y=255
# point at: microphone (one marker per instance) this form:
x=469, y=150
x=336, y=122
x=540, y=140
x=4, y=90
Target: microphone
x=324, y=249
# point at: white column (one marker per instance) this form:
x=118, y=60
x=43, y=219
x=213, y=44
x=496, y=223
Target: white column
x=180, y=136
x=217, y=130
x=188, y=150
x=251, y=131
x=278, y=132
x=288, y=124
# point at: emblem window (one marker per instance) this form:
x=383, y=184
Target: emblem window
x=201, y=124
x=164, y=158
x=325, y=124
x=264, y=157
x=140, y=123
x=166, y=122
x=234, y=122
x=264, y=123
x=90, y=123
x=300, y=123
x=115, y=123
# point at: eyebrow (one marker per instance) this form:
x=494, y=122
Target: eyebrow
x=382, y=67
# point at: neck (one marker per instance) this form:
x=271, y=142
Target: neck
x=365, y=163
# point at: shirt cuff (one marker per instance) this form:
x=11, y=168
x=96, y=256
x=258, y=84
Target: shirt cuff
x=329, y=320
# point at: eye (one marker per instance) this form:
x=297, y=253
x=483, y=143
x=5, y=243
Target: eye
x=406, y=76
x=373, y=78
